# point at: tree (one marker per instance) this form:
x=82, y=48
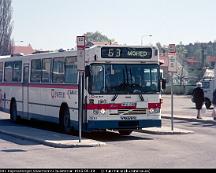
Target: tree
x=6, y=27
x=97, y=37
x=181, y=54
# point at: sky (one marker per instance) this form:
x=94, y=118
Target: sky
x=54, y=24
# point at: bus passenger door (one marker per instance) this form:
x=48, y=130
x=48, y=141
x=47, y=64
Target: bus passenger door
x=25, y=91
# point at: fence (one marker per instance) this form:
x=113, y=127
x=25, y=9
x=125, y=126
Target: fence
x=180, y=89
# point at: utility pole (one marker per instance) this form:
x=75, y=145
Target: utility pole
x=203, y=61
x=81, y=70
x=149, y=35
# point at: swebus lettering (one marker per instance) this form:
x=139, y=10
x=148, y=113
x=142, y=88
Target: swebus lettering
x=57, y=94
x=70, y=93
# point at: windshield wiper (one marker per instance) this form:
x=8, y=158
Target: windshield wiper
x=141, y=97
x=114, y=97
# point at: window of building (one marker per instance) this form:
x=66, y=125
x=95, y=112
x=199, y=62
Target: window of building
x=58, y=70
x=36, y=70
x=46, y=70
x=71, y=70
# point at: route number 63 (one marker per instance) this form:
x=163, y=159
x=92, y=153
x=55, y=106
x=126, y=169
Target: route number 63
x=114, y=52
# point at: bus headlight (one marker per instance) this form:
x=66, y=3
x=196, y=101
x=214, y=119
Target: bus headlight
x=96, y=111
x=153, y=111
x=102, y=111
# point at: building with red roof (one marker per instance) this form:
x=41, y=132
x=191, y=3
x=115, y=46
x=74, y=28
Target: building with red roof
x=23, y=49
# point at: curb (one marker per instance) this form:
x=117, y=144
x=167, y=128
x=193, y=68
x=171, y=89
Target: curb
x=56, y=144
x=190, y=119
x=165, y=131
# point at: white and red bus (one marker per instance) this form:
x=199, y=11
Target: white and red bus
x=122, y=88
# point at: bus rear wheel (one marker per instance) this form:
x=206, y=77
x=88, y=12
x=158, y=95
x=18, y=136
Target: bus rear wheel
x=125, y=132
x=65, y=119
x=13, y=111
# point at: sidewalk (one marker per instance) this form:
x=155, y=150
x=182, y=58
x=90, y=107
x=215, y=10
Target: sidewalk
x=185, y=110
x=48, y=138
x=205, y=118
x=164, y=130
x=167, y=130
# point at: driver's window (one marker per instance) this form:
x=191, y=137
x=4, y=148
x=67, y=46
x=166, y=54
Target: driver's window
x=147, y=77
x=97, y=78
x=154, y=82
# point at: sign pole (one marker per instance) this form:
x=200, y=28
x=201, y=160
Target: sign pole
x=81, y=70
x=173, y=69
x=80, y=104
x=172, y=101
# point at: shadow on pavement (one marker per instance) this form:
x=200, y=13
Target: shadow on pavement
x=105, y=136
x=17, y=140
x=6, y=122
x=113, y=136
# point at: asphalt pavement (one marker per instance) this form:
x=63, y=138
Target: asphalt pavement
x=60, y=140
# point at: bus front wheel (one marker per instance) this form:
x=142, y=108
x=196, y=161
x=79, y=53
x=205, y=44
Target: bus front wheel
x=125, y=132
x=65, y=119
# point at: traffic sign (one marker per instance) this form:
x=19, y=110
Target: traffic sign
x=80, y=42
x=172, y=67
x=172, y=48
x=81, y=53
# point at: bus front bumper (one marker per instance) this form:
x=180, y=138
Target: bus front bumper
x=132, y=124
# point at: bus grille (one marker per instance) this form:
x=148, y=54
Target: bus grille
x=130, y=112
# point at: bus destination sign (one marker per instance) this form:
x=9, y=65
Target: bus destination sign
x=126, y=52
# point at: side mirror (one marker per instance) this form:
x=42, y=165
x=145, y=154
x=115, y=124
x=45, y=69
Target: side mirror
x=87, y=71
x=163, y=83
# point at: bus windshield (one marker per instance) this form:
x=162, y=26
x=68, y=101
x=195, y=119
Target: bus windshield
x=124, y=78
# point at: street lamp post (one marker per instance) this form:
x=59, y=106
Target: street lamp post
x=148, y=35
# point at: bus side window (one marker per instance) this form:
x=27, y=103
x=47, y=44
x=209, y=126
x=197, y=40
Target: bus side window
x=8, y=71
x=58, y=70
x=71, y=70
x=36, y=70
x=13, y=71
x=46, y=70
x=17, y=71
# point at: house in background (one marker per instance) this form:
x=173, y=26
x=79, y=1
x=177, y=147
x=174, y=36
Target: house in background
x=23, y=49
x=92, y=43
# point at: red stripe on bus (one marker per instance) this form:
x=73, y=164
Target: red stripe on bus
x=154, y=105
x=108, y=106
x=54, y=86
x=11, y=84
x=41, y=85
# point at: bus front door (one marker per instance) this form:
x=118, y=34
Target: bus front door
x=25, y=93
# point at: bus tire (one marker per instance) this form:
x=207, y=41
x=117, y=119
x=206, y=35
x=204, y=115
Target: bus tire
x=64, y=119
x=207, y=103
x=13, y=110
x=125, y=132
